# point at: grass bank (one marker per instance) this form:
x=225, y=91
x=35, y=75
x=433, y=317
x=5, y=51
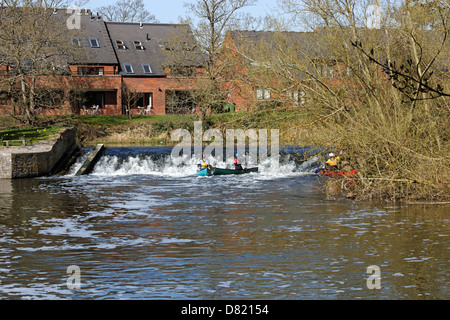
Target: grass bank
x=31, y=135
x=387, y=170
x=157, y=129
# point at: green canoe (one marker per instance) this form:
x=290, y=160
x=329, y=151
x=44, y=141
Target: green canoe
x=220, y=171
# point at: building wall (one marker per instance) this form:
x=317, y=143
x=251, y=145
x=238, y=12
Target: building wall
x=111, y=86
x=158, y=87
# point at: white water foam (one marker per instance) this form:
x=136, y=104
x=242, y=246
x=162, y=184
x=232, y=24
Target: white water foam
x=77, y=165
x=112, y=165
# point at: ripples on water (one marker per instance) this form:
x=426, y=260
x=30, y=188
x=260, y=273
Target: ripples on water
x=140, y=227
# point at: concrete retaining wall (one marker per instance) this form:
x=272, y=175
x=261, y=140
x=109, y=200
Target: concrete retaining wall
x=37, y=159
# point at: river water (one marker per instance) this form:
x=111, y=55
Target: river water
x=141, y=227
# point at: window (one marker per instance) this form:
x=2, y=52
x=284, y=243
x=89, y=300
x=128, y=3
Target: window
x=183, y=72
x=48, y=97
x=89, y=71
x=147, y=69
x=95, y=98
x=94, y=43
x=76, y=42
x=262, y=93
x=128, y=68
x=302, y=99
x=180, y=102
x=325, y=70
x=138, y=45
x=296, y=96
x=5, y=98
x=120, y=45
x=144, y=99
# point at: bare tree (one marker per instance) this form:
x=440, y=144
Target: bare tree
x=215, y=18
x=35, y=42
x=380, y=94
x=127, y=11
x=129, y=98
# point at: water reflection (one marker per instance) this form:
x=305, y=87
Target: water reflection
x=155, y=237
x=5, y=195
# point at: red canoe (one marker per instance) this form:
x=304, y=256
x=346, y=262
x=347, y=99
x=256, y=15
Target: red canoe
x=348, y=174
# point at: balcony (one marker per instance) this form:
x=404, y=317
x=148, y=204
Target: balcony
x=94, y=71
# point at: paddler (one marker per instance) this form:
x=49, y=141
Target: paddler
x=332, y=162
x=237, y=165
x=202, y=162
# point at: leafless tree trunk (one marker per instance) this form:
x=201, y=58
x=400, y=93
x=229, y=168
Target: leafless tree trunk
x=380, y=95
x=215, y=17
x=35, y=43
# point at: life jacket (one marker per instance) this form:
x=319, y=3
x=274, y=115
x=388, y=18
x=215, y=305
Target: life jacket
x=333, y=161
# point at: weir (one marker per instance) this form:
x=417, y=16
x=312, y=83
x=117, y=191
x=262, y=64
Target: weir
x=158, y=161
x=91, y=160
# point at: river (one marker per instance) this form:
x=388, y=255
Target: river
x=141, y=227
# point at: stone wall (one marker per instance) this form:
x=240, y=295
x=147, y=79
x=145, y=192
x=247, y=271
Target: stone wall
x=37, y=159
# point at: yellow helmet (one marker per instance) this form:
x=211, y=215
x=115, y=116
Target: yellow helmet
x=204, y=165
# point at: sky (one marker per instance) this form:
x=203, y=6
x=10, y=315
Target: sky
x=168, y=11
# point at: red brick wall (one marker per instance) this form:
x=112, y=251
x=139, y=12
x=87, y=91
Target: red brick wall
x=158, y=87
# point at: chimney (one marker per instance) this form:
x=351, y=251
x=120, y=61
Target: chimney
x=141, y=25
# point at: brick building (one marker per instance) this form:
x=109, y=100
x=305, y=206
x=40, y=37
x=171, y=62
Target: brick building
x=123, y=69
x=258, y=71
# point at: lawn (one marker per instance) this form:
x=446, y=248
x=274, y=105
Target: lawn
x=123, y=120
x=92, y=129
x=33, y=135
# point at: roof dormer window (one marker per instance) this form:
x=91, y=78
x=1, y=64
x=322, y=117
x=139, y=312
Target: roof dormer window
x=120, y=45
x=147, y=69
x=138, y=45
x=94, y=43
x=76, y=42
x=128, y=68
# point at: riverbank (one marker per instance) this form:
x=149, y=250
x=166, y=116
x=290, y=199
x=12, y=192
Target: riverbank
x=385, y=178
x=40, y=158
x=156, y=130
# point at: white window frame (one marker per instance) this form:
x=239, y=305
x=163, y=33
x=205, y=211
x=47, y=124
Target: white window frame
x=120, y=45
x=262, y=93
x=138, y=45
x=259, y=94
x=302, y=95
x=96, y=41
x=149, y=67
x=129, y=65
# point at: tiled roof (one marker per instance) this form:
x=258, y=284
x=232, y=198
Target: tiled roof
x=305, y=43
x=92, y=27
x=98, y=39
x=151, y=36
